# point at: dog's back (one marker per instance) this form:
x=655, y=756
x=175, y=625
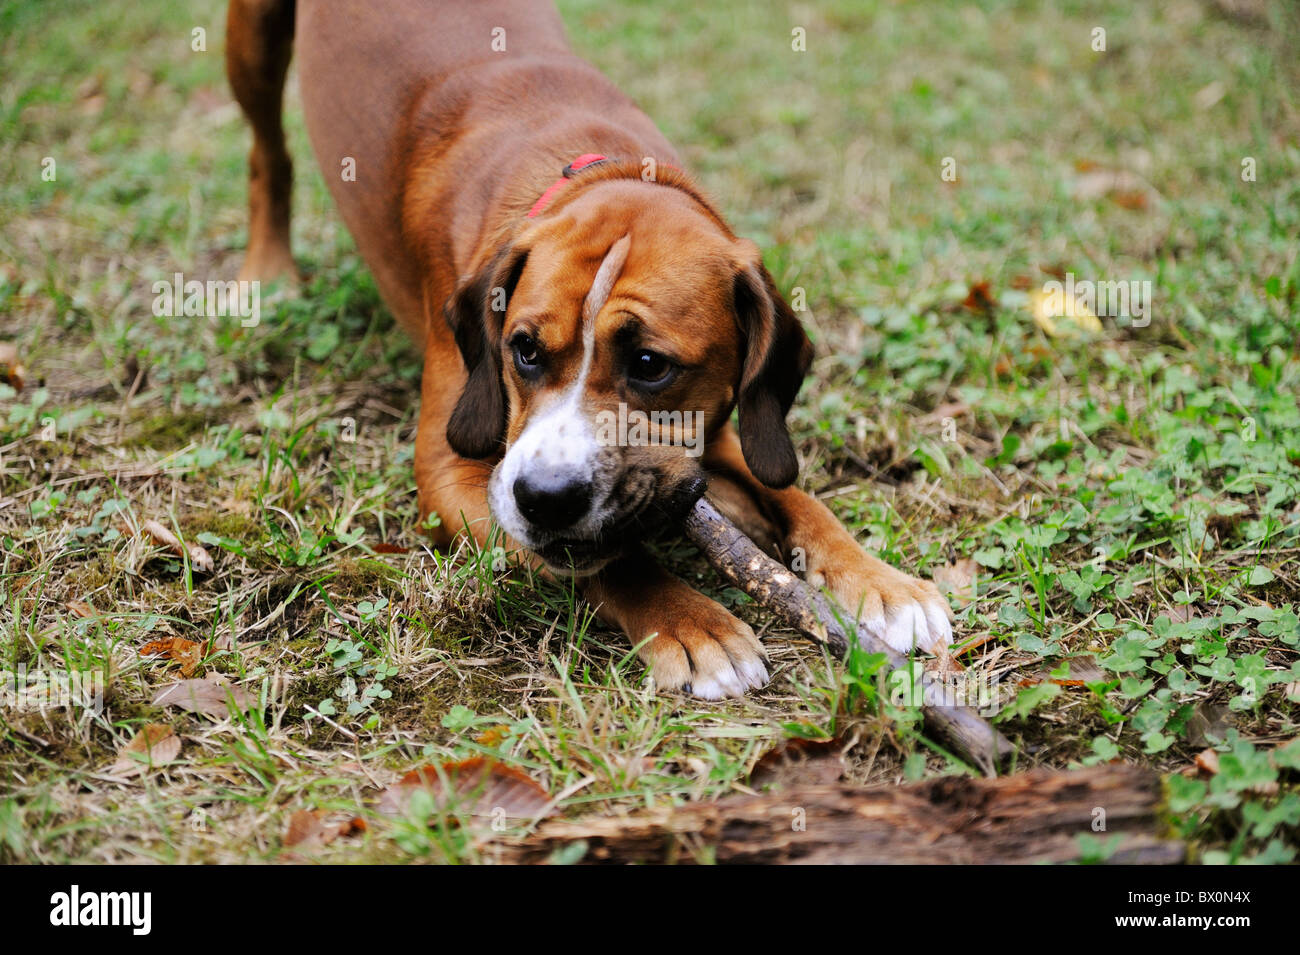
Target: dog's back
x=459, y=79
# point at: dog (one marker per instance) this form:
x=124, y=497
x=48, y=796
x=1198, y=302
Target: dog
x=536, y=235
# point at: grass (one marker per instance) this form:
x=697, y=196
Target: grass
x=1129, y=497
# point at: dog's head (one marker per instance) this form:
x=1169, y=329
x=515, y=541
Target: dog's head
x=602, y=345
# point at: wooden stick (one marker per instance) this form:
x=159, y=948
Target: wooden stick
x=797, y=605
x=1043, y=816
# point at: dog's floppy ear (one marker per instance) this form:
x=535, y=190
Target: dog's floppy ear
x=476, y=312
x=777, y=356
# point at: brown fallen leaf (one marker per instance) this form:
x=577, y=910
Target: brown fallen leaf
x=306, y=827
x=1100, y=182
x=482, y=786
x=12, y=372
x=200, y=559
x=82, y=609
x=202, y=696
x=960, y=578
x=385, y=548
x=944, y=665
x=353, y=827
x=799, y=762
x=188, y=653
x=156, y=744
x=1136, y=201
x=1207, y=761
x=1207, y=719
x=980, y=299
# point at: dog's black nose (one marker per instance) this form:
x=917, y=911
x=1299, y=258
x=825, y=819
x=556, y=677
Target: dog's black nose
x=552, y=504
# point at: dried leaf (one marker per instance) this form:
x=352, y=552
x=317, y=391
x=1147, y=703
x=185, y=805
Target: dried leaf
x=188, y=653
x=799, y=762
x=305, y=827
x=482, y=786
x=943, y=665
x=1136, y=201
x=308, y=829
x=353, y=827
x=202, y=696
x=12, y=372
x=979, y=298
x=1207, y=761
x=959, y=578
x=200, y=560
x=156, y=744
x=1207, y=719
x=82, y=609
x=1099, y=182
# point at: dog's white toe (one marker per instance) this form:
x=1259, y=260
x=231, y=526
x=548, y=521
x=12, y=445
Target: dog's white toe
x=912, y=625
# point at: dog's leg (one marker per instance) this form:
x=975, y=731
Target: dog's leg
x=450, y=486
x=896, y=607
x=688, y=641
x=259, y=42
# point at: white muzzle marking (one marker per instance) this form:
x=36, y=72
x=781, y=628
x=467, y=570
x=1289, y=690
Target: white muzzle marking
x=559, y=441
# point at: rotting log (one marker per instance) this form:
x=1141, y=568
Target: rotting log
x=1042, y=816
x=794, y=603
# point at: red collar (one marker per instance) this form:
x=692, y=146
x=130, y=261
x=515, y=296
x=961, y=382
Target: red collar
x=582, y=162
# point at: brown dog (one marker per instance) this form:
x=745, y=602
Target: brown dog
x=584, y=337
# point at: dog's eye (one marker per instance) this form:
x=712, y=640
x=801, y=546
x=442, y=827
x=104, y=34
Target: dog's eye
x=528, y=356
x=651, y=369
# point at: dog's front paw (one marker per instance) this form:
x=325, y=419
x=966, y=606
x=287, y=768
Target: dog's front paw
x=890, y=605
x=703, y=650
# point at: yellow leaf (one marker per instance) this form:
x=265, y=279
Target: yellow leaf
x=1061, y=316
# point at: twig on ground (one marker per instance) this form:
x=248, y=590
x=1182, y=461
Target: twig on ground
x=798, y=606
